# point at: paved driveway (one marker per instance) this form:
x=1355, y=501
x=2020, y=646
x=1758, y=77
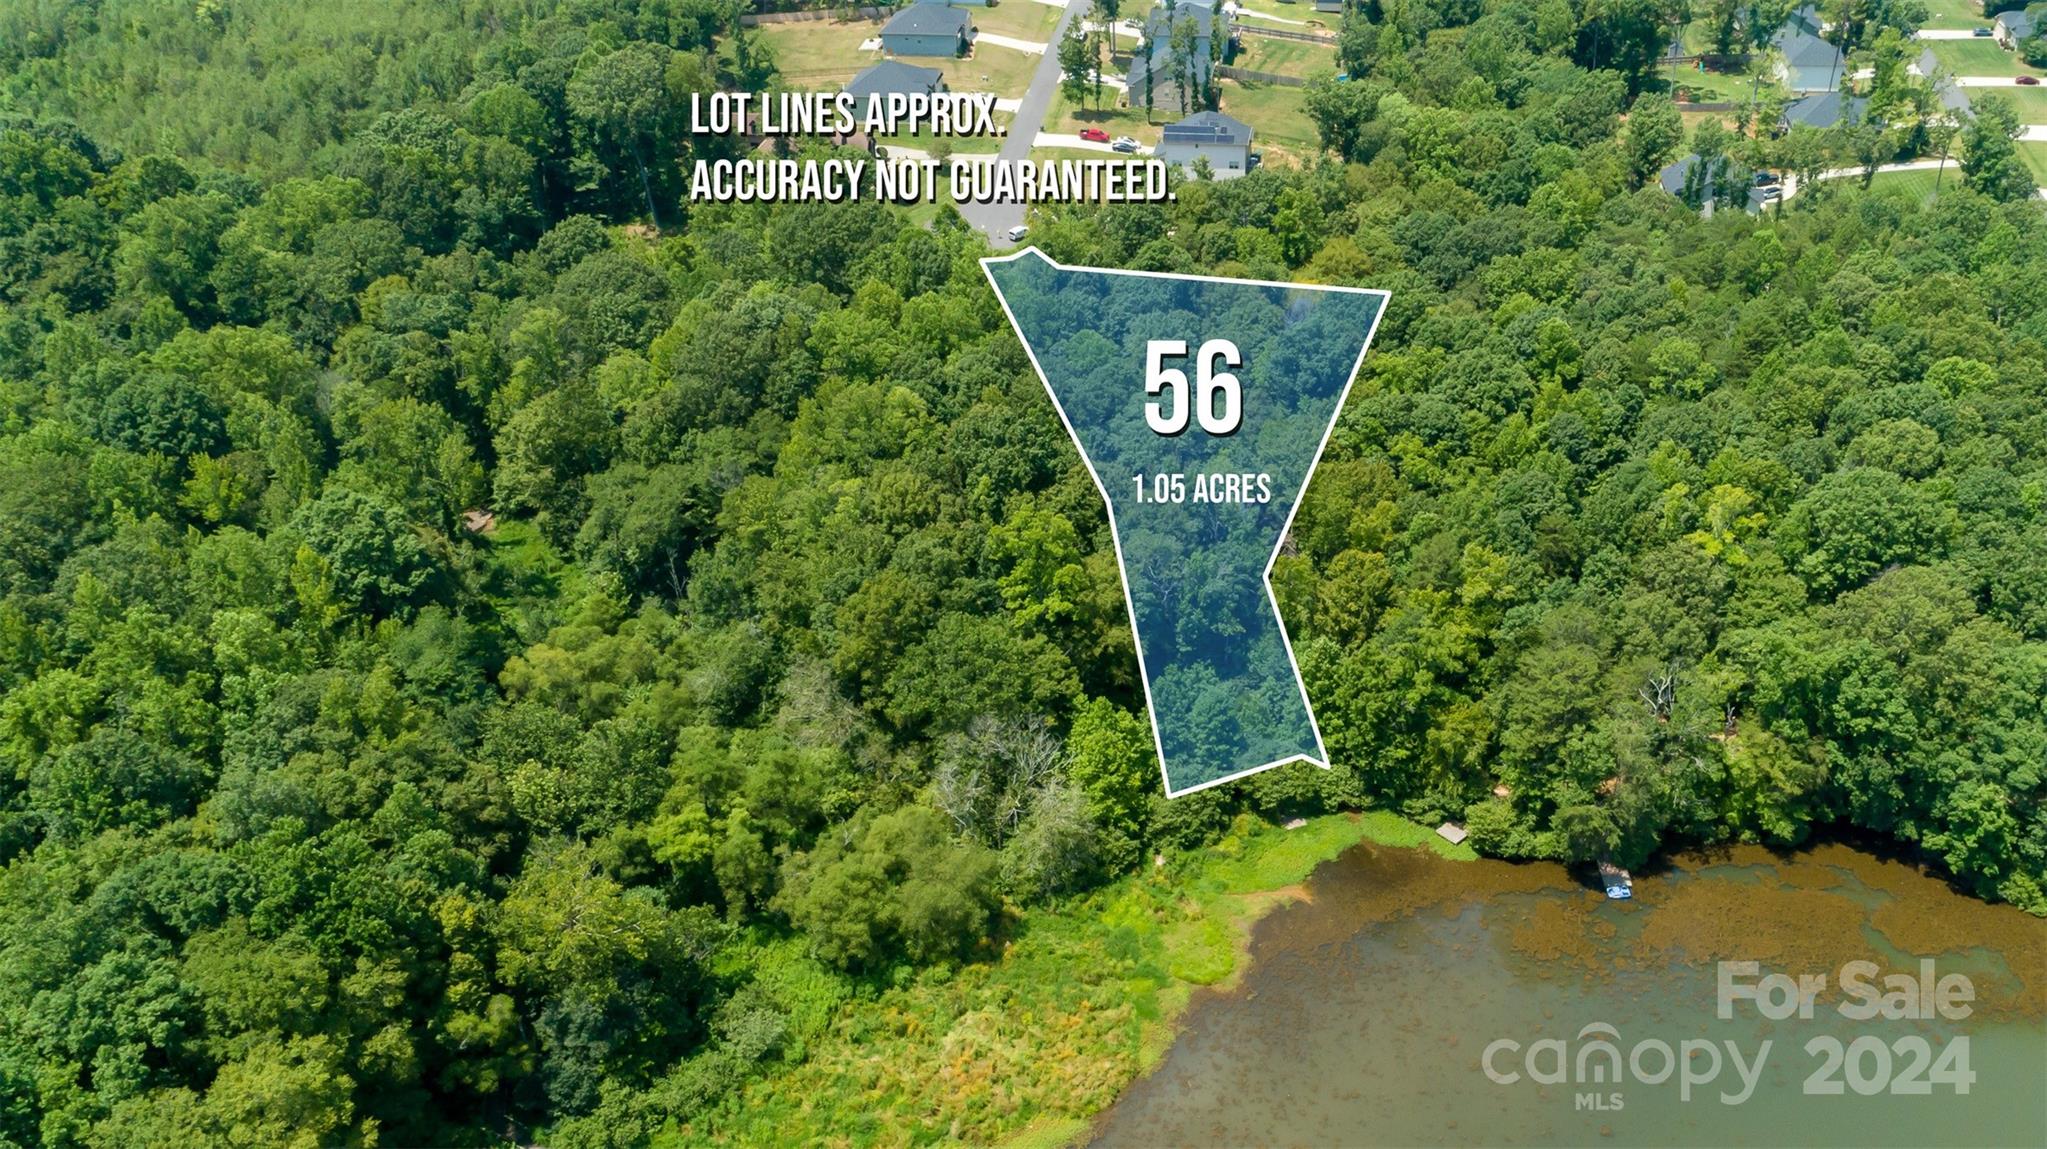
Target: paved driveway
x=994, y=219
x=1069, y=140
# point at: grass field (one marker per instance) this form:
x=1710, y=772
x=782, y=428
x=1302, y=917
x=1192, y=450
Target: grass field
x=1003, y=71
x=1917, y=185
x=1067, y=116
x=2035, y=156
x=1979, y=58
x=1707, y=85
x=1955, y=14
x=1023, y=19
x=1021, y=1049
x=1285, y=57
x=821, y=55
x=1040, y=155
x=1278, y=118
x=2031, y=103
x=818, y=55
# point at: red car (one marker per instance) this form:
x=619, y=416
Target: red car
x=1096, y=134
x=2028, y=81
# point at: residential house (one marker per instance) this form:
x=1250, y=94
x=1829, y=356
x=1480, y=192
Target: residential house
x=1954, y=100
x=927, y=30
x=2011, y=27
x=1693, y=180
x=1153, y=68
x=1224, y=142
x=892, y=78
x=1806, y=62
x=1822, y=110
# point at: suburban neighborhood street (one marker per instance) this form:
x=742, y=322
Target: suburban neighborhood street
x=995, y=219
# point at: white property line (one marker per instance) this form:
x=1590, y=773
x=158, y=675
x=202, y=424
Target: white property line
x=1115, y=535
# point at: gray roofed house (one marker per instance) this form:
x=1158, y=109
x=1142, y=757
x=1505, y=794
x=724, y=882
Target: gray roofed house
x=892, y=77
x=1152, y=65
x=1224, y=142
x=1675, y=175
x=1808, y=63
x=927, y=30
x=2011, y=27
x=1822, y=110
x=1950, y=94
x=1688, y=175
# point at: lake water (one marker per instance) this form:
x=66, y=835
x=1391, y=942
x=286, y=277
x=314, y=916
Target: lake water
x=1372, y=1009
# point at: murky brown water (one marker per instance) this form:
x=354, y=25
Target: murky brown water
x=1367, y=1013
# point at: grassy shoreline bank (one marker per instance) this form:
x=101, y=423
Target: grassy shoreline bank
x=1024, y=1050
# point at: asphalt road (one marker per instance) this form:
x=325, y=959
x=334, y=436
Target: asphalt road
x=993, y=219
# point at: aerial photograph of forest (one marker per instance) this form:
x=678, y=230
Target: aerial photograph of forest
x=494, y=652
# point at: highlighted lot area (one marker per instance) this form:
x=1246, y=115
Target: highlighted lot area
x=1200, y=407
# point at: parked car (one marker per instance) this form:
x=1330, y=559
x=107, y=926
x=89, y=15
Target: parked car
x=1766, y=179
x=1095, y=134
x=1124, y=144
x=1256, y=158
x=1016, y=233
x=2028, y=81
x=1980, y=32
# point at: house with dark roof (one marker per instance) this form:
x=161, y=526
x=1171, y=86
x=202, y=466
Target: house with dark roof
x=1155, y=71
x=1806, y=62
x=927, y=30
x=1953, y=99
x=893, y=78
x=1694, y=181
x=2011, y=27
x=1822, y=110
x=1225, y=143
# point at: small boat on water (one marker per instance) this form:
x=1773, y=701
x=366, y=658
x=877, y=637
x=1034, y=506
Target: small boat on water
x=1618, y=884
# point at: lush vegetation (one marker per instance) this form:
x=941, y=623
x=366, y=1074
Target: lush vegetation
x=792, y=675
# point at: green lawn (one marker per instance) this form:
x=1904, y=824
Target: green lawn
x=1285, y=57
x=1278, y=117
x=1917, y=185
x=1069, y=117
x=1022, y=19
x=1979, y=58
x=1040, y=155
x=1955, y=14
x=821, y=55
x=818, y=55
x=992, y=68
x=2035, y=155
x=2031, y=102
